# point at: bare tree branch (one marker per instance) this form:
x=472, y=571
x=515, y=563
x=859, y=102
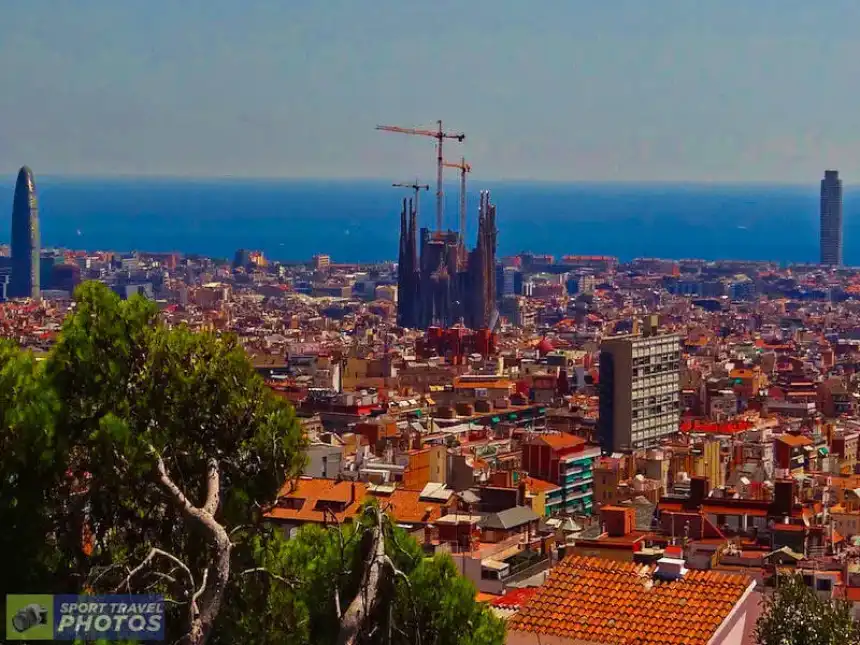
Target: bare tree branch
x=400, y=548
x=210, y=596
x=199, y=592
x=160, y=576
x=246, y=572
x=236, y=529
x=400, y=574
x=342, y=572
x=397, y=572
x=163, y=576
x=105, y=571
x=213, y=486
x=148, y=560
x=362, y=605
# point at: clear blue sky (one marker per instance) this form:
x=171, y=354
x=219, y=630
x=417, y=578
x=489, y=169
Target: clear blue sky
x=725, y=90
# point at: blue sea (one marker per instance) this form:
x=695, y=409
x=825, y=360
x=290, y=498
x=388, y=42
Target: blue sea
x=358, y=220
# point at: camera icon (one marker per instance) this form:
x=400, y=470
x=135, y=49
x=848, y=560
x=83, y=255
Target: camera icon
x=29, y=616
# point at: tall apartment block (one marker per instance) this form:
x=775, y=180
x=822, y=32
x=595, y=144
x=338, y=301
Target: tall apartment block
x=639, y=390
x=568, y=462
x=831, y=219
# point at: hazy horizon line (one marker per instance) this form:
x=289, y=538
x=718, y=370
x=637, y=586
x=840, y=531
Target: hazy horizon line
x=84, y=177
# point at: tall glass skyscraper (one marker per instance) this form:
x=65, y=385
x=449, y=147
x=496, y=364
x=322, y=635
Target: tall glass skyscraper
x=831, y=218
x=25, y=238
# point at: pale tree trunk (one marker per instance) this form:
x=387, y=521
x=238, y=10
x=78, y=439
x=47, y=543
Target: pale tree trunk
x=206, y=600
x=356, y=615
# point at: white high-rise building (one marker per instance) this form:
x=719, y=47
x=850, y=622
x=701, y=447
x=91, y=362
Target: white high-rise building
x=639, y=390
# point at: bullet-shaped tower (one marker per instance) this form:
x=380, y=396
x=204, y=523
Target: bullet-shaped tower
x=25, y=238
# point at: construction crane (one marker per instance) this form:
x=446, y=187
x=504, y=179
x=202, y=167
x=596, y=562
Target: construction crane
x=417, y=188
x=440, y=135
x=463, y=167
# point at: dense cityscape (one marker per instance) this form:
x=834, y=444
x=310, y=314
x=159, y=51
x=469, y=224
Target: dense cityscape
x=606, y=450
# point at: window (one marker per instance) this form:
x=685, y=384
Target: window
x=294, y=503
x=823, y=584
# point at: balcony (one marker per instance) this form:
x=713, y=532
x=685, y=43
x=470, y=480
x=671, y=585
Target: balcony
x=588, y=453
x=575, y=496
x=576, y=484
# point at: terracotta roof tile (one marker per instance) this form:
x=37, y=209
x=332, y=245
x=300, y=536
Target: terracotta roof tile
x=536, y=485
x=300, y=502
x=515, y=598
x=560, y=441
x=619, y=603
x=305, y=503
x=406, y=506
x=794, y=440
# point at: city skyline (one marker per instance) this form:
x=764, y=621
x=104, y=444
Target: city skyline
x=562, y=91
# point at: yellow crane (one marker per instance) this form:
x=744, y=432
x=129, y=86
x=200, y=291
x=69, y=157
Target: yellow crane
x=440, y=135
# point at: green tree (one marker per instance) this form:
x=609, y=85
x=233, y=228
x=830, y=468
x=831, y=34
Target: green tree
x=141, y=458
x=795, y=615
x=320, y=578
x=28, y=474
x=174, y=444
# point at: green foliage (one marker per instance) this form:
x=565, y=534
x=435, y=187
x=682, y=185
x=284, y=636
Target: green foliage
x=436, y=607
x=81, y=438
x=28, y=472
x=795, y=615
x=82, y=434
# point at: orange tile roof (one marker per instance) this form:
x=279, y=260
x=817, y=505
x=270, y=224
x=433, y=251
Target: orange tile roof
x=404, y=506
x=536, y=485
x=794, y=440
x=561, y=441
x=607, y=602
x=308, y=491
x=515, y=598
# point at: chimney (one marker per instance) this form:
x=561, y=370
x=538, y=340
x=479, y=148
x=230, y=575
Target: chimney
x=699, y=489
x=673, y=551
x=521, y=493
x=618, y=521
x=670, y=569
